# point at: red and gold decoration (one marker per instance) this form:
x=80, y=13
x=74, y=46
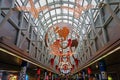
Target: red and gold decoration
x=62, y=46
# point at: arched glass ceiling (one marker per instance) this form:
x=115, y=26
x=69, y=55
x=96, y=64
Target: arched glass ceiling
x=66, y=11
x=59, y=11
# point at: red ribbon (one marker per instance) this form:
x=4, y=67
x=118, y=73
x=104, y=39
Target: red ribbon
x=69, y=43
x=52, y=61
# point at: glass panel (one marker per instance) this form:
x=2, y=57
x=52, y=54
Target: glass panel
x=54, y=18
x=85, y=3
x=22, y=0
x=54, y=22
x=59, y=17
x=49, y=21
x=58, y=11
x=70, y=18
x=65, y=17
x=42, y=19
x=52, y=12
x=49, y=1
x=71, y=0
x=65, y=5
x=70, y=12
x=52, y=6
x=47, y=15
x=65, y=11
x=70, y=22
x=64, y=20
x=37, y=5
x=59, y=21
x=42, y=2
x=71, y=6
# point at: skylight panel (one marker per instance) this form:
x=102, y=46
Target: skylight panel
x=52, y=12
x=76, y=20
x=50, y=25
x=22, y=0
x=71, y=6
x=59, y=21
x=42, y=2
x=58, y=11
x=28, y=5
x=41, y=30
x=93, y=3
x=72, y=0
x=42, y=19
x=66, y=21
x=49, y=1
x=49, y=21
x=54, y=22
x=65, y=11
x=71, y=13
x=70, y=18
x=47, y=15
x=37, y=5
x=52, y=6
x=65, y=17
x=65, y=5
x=54, y=18
x=70, y=22
x=20, y=3
x=85, y=3
x=57, y=5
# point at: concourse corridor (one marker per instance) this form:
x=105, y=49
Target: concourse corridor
x=59, y=39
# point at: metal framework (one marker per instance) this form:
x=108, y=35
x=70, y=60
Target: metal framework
x=85, y=25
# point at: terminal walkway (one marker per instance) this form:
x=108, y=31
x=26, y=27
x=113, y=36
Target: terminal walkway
x=59, y=39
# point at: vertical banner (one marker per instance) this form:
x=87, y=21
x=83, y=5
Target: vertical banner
x=23, y=70
x=102, y=67
x=83, y=74
x=38, y=73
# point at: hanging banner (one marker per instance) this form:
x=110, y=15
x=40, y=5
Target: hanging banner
x=52, y=61
x=23, y=70
x=89, y=70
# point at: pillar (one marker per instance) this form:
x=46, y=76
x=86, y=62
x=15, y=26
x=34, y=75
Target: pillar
x=102, y=68
x=22, y=75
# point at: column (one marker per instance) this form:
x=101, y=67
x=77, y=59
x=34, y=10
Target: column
x=22, y=75
x=102, y=68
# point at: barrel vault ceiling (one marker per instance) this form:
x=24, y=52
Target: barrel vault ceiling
x=50, y=16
